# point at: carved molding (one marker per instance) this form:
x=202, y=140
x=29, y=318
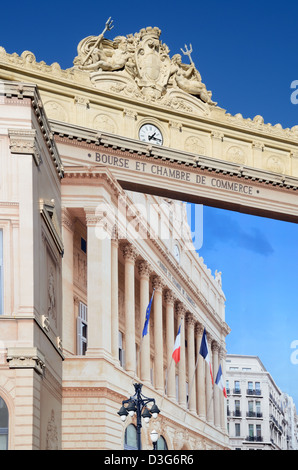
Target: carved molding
x=26, y=358
x=23, y=141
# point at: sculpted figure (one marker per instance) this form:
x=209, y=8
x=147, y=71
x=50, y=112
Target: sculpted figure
x=189, y=79
x=97, y=53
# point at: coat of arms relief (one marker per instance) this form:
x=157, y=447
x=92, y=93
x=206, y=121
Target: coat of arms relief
x=140, y=65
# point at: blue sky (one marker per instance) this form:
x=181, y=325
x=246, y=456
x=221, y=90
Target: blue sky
x=247, y=55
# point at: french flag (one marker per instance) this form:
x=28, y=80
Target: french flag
x=220, y=382
x=205, y=353
x=176, y=352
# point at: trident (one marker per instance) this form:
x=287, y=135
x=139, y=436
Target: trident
x=108, y=27
x=188, y=52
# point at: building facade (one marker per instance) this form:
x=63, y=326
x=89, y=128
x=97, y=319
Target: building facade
x=85, y=258
x=86, y=154
x=260, y=415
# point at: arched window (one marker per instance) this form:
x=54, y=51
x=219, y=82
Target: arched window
x=130, y=438
x=161, y=444
x=3, y=425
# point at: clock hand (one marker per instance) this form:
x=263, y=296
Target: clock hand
x=151, y=136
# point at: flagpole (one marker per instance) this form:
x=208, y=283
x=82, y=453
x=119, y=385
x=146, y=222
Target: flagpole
x=145, y=329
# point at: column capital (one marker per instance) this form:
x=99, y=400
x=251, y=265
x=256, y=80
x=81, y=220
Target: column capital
x=169, y=297
x=66, y=219
x=190, y=320
x=157, y=283
x=199, y=328
x=180, y=310
x=102, y=218
x=215, y=346
x=144, y=269
x=129, y=252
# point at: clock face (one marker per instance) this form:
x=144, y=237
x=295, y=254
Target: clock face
x=177, y=253
x=151, y=134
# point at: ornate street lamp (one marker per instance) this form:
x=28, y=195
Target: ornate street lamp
x=154, y=439
x=138, y=404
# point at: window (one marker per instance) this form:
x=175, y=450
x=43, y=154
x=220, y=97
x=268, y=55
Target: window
x=237, y=429
x=120, y=349
x=236, y=386
x=83, y=245
x=250, y=408
x=82, y=329
x=1, y=274
x=161, y=444
x=3, y=425
x=251, y=431
x=237, y=408
x=130, y=438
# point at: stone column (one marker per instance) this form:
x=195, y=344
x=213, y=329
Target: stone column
x=114, y=297
x=216, y=390
x=68, y=319
x=129, y=254
x=98, y=284
x=209, y=386
x=144, y=272
x=200, y=374
x=191, y=363
x=169, y=300
x=158, y=335
x=180, y=309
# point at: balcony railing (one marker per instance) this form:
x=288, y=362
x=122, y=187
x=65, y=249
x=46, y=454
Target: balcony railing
x=250, y=391
x=254, y=414
x=254, y=438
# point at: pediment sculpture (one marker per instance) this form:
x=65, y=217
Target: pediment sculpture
x=139, y=64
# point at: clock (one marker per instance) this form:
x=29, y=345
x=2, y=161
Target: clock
x=151, y=134
x=177, y=253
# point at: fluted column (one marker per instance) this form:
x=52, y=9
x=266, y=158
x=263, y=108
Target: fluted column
x=180, y=309
x=209, y=387
x=158, y=334
x=191, y=363
x=129, y=254
x=200, y=374
x=216, y=397
x=170, y=339
x=144, y=272
x=114, y=297
x=98, y=284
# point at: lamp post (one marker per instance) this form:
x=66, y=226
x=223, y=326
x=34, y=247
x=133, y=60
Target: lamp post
x=138, y=404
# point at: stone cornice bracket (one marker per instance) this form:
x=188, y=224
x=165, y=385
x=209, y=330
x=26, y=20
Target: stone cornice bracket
x=23, y=141
x=26, y=358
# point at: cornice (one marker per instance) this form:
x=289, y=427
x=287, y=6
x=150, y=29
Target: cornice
x=69, y=133
x=72, y=81
x=22, y=141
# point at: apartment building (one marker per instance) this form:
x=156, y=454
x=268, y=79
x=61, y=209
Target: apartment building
x=258, y=412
